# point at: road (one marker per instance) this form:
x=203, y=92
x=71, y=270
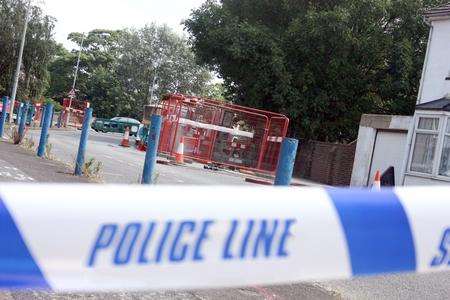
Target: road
x=124, y=165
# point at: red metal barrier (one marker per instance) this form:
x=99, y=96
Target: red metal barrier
x=222, y=133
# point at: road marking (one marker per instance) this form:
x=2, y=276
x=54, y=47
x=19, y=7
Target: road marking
x=17, y=175
x=11, y=168
x=108, y=157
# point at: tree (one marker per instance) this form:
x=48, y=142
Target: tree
x=118, y=68
x=157, y=54
x=38, y=52
x=323, y=63
x=215, y=91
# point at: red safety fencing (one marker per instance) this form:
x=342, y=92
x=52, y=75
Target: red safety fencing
x=73, y=113
x=222, y=133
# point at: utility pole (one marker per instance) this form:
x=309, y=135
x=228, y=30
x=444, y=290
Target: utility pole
x=152, y=87
x=72, y=92
x=156, y=68
x=19, y=63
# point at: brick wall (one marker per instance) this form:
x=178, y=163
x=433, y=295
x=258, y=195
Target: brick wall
x=326, y=163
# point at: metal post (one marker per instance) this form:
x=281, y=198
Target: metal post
x=83, y=141
x=58, y=122
x=19, y=62
x=44, y=131
x=19, y=114
x=51, y=120
x=285, y=169
x=152, y=87
x=3, y=117
x=43, y=109
x=75, y=77
x=23, y=120
x=31, y=115
x=152, y=149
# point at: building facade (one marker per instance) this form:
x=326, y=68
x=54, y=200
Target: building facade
x=418, y=147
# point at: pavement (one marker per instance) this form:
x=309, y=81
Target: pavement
x=123, y=165
x=21, y=165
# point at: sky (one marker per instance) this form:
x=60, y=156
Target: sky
x=86, y=15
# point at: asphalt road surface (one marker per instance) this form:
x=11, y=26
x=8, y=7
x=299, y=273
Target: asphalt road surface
x=124, y=165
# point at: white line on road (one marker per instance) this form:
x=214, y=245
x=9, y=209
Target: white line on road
x=14, y=173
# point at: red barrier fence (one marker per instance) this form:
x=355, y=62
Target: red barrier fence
x=222, y=133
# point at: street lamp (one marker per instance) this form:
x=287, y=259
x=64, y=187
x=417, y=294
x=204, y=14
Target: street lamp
x=19, y=62
x=72, y=92
x=152, y=87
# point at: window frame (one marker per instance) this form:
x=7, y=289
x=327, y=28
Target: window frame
x=444, y=135
x=444, y=118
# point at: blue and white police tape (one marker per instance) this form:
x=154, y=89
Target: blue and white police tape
x=106, y=238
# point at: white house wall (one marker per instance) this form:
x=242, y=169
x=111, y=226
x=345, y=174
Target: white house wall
x=389, y=152
x=369, y=128
x=437, y=63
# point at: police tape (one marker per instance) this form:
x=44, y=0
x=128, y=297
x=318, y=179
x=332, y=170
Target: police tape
x=107, y=238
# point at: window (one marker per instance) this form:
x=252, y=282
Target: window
x=423, y=156
x=428, y=124
x=427, y=134
x=444, y=168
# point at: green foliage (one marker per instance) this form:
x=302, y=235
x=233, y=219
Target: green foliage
x=48, y=151
x=57, y=106
x=215, y=91
x=323, y=63
x=38, y=52
x=118, y=67
x=93, y=168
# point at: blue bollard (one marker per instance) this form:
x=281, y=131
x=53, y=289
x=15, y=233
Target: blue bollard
x=19, y=114
x=30, y=116
x=83, y=142
x=58, y=122
x=152, y=149
x=53, y=115
x=44, y=131
x=23, y=120
x=42, y=115
x=285, y=169
x=3, y=117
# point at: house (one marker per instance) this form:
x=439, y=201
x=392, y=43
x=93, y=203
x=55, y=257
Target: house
x=418, y=147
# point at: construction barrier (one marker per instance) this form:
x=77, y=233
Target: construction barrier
x=221, y=133
x=108, y=238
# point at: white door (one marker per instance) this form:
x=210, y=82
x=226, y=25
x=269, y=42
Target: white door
x=389, y=151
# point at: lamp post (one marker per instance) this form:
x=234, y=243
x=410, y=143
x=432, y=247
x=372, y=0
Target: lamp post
x=152, y=87
x=19, y=62
x=75, y=77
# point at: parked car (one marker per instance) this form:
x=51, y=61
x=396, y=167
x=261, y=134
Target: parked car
x=117, y=124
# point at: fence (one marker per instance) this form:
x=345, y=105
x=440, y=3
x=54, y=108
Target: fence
x=222, y=133
x=325, y=163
